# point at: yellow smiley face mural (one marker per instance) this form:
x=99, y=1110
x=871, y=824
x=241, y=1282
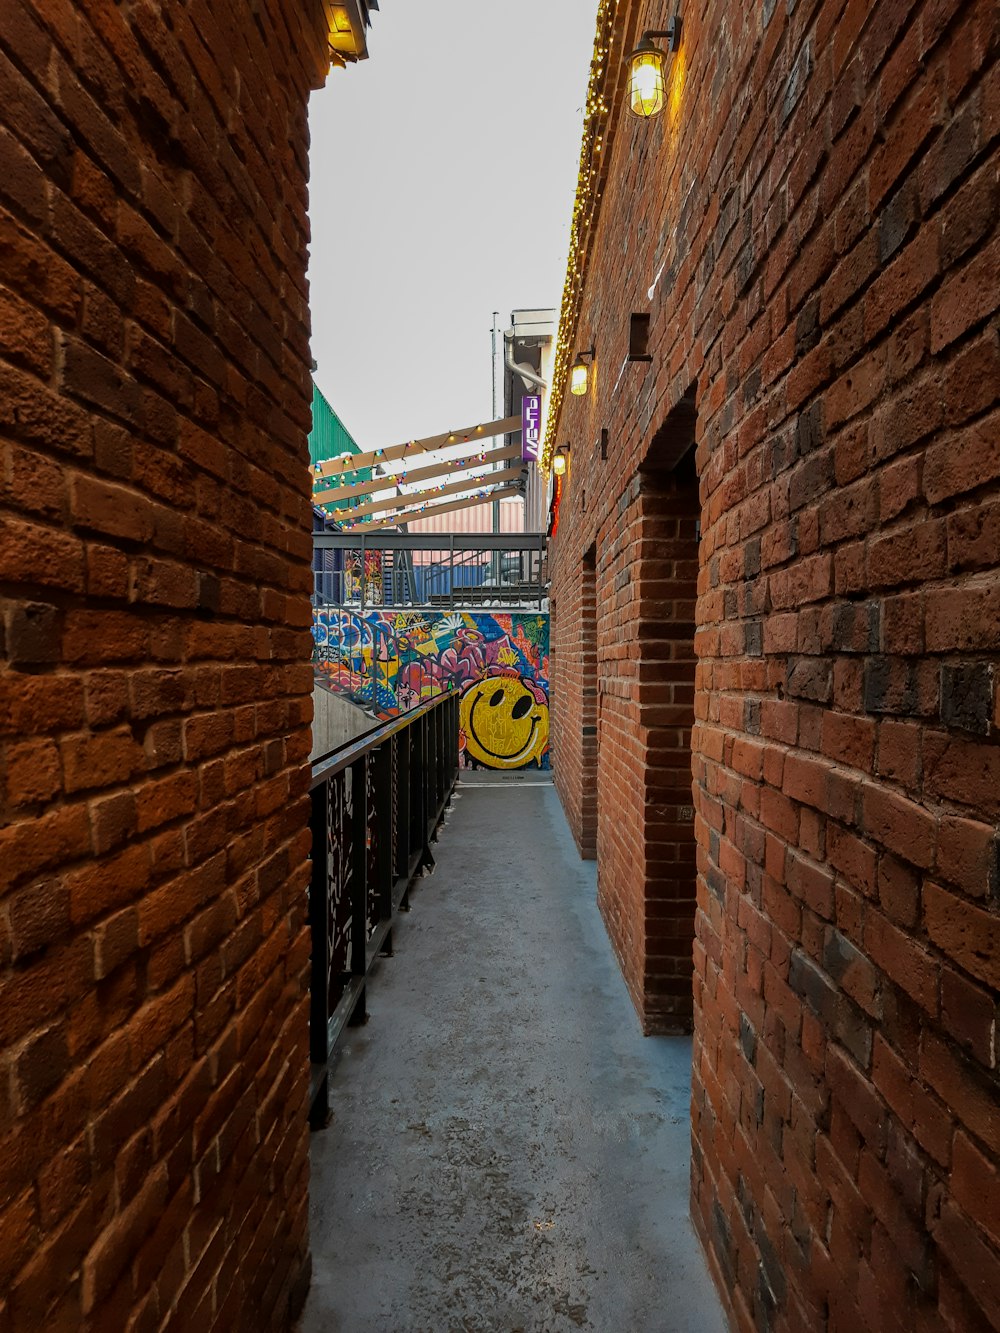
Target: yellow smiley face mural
x=505, y=725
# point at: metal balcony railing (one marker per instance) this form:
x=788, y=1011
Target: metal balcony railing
x=442, y=570
x=376, y=807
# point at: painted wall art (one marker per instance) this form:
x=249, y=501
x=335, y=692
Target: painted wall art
x=372, y=577
x=390, y=661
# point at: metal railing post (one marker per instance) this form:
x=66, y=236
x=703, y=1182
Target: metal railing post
x=422, y=783
x=319, y=981
x=441, y=717
x=361, y=844
x=359, y=880
x=434, y=722
x=402, y=794
x=384, y=850
x=456, y=720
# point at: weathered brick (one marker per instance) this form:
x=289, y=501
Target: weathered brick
x=964, y=932
x=33, y=772
x=961, y=464
x=969, y=1014
x=122, y=287
x=903, y=826
x=843, y=353
x=967, y=697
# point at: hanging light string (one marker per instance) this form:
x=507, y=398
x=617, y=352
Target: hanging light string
x=339, y=493
x=584, y=216
x=348, y=462
x=405, y=516
x=408, y=498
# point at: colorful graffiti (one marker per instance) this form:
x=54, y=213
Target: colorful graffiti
x=505, y=722
x=372, y=578
x=356, y=657
x=390, y=661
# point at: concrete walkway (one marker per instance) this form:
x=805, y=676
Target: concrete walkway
x=507, y=1152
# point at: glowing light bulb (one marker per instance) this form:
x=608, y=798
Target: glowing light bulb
x=578, y=377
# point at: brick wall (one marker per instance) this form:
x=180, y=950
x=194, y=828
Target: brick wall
x=665, y=570
x=154, y=703
x=812, y=226
x=573, y=711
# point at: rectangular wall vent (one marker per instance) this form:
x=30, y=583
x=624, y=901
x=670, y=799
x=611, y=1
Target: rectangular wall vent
x=638, y=338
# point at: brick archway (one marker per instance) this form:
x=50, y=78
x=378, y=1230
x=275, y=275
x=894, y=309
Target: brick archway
x=668, y=586
x=647, y=581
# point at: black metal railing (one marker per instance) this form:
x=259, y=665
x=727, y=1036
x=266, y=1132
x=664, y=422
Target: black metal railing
x=442, y=569
x=376, y=807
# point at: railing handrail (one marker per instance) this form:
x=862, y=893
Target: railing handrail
x=431, y=541
x=376, y=807
x=337, y=760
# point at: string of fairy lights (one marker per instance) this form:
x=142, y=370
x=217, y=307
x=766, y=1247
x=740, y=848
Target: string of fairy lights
x=587, y=194
x=404, y=514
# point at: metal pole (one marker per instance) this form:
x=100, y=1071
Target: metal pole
x=496, y=503
x=319, y=911
x=359, y=881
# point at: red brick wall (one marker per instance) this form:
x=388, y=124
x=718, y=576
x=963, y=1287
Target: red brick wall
x=576, y=760
x=816, y=214
x=666, y=570
x=154, y=703
x=627, y=673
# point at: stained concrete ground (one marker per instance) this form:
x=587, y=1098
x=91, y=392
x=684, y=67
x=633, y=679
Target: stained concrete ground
x=507, y=1151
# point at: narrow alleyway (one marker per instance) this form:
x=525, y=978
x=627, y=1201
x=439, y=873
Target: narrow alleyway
x=507, y=1151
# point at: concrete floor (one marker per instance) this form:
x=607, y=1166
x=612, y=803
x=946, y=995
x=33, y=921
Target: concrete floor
x=507, y=1151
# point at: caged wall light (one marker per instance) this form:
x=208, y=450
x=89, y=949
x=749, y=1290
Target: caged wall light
x=579, y=373
x=647, y=86
x=559, y=460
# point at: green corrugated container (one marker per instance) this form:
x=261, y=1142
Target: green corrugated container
x=329, y=436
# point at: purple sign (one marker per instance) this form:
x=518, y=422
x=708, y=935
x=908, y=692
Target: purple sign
x=531, y=427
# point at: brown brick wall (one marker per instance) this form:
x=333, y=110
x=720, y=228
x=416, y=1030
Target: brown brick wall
x=154, y=702
x=575, y=762
x=817, y=215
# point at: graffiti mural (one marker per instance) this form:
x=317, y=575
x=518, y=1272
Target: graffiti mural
x=356, y=656
x=372, y=578
x=390, y=661
x=505, y=722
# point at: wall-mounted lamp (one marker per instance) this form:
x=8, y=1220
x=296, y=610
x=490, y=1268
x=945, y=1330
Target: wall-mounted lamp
x=559, y=460
x=579, y=372
x=646, y=85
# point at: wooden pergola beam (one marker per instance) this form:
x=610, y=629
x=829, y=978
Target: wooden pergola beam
x=408, y=516
x=416, y=497
x=336, y=467
x=339, y=493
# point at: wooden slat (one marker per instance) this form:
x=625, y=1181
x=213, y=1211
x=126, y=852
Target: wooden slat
x=418, y=497
x=441, y=468
x=336, y=467
x=408, y=516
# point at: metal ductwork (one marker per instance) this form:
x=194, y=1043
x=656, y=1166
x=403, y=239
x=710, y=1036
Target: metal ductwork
x=528, y=376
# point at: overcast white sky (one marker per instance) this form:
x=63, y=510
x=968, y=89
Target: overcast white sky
x=443, y=175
